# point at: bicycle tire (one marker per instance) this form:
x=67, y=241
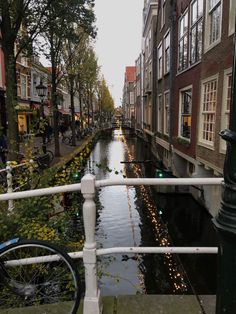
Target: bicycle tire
x=65, y=139
x=51, y=287
x=51, y=155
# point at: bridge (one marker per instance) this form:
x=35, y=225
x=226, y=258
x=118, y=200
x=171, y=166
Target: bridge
x=93, y=303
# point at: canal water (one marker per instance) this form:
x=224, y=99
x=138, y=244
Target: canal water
x=138, y=216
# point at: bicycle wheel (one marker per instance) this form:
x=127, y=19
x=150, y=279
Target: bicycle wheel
x=51, y=155
x=44, y=286
x=66, y=140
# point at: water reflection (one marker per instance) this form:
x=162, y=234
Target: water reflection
x=127, y=216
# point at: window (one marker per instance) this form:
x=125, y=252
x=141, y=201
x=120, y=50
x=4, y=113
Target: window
x=35, y=83
x=159, y=58
x=196, y=23
x=232, y=8
x=23, y=86
x=213, y=22
x=185, y=113
x=183, y=42
x=159, y=117
x=150, y=76
x=226, y=104
x=167, y=53
x=149, y=42
x=163, y=13
x=166, y=112
x=208, y=112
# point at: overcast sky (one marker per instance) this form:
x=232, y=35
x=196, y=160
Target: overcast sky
x=118, y=42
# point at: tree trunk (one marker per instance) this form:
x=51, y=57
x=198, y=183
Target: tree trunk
x=88, y=112
x=11, y=103
x=81, y=110
x=72, y=106
x=55, y=112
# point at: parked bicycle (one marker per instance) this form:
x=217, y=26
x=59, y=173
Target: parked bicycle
x=38, y=273
x=67, y=139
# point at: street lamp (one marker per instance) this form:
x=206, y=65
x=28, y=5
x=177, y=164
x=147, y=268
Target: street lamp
x=42, y=92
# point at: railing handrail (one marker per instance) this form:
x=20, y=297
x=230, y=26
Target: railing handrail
x=92, y=299
x=109, y=182
x=118, y=250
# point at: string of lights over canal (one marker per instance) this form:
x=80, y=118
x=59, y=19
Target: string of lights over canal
x=176, y=272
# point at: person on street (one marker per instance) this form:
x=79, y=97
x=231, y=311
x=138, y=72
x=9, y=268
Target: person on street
x=3, y=146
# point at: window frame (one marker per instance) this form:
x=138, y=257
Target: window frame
x=181, y=39
x=181, y=114
x=166, y=126
x=201, y=140
x=195, y=25
x=166, y=50
x=26, y=86
x=160, y=61
x=207, y=33
x=232, y=10
x=163, y=13
x=224, y=110
x=160, y=113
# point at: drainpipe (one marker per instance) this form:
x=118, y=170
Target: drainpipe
x=225, y=222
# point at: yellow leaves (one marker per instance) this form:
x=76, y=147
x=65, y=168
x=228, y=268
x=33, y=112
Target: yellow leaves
x=35, y=230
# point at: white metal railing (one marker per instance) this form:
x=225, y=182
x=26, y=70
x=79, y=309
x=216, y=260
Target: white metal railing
x=9, y=178
x=92, y=300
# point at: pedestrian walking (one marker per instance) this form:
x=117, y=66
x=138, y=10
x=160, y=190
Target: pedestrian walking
x=3, y=146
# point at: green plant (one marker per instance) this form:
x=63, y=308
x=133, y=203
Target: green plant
x=182, y=141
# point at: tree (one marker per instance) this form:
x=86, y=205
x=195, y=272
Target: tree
x=106, y=102
x=21, y=21
x=63, y=16
x=91, y=70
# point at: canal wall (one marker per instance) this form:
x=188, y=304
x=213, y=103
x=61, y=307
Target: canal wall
x=207, y=196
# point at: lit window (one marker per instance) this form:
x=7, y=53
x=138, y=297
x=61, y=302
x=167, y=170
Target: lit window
x=196, y=31
x=185, y=113
x=167, y=53
x=208, y=113
x=159, y=58
x=183, y=42
x=166, y=112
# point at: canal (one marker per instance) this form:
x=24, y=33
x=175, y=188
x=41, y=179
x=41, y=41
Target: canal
x=139, y=216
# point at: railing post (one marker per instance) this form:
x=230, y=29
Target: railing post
x=9, y=185
x=92, y=300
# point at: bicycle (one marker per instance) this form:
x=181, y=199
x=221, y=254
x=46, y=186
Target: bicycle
x=37, y=153
x=67, y=139
x=38, y=273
